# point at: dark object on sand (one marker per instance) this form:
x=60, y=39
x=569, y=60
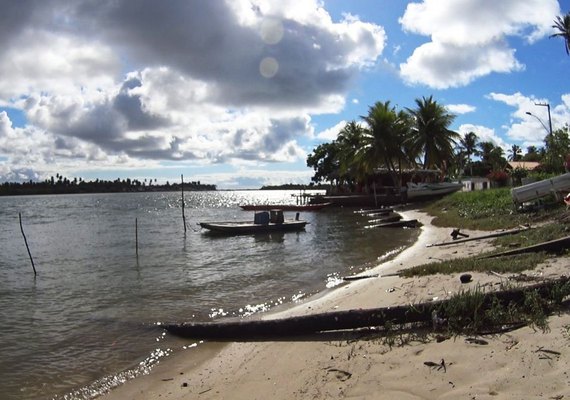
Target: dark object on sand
x=456, y=233
x=465, y=278
x=251, y=329
x=555, y=245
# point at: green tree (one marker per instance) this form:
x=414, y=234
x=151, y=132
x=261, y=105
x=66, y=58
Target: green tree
x=532, y=154
x=383, y=141
x=557, y=148
x=325, y=162
x=492, y=155
x=515, y=153
x=468, y=144
x=562, y=24
x=431, y=136
x=349, y=141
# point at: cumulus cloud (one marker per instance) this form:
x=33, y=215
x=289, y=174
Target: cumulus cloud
x=178, y=80
x=531, y=129
x=461, y=108
x=469, y=38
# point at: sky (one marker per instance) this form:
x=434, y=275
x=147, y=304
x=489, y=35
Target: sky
x=237, y=93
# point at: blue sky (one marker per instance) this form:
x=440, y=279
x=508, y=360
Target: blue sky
x=237, y=93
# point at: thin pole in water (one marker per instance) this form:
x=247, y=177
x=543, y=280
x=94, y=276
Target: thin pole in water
x=26, y=241
x=137, y=236
x=183, y=216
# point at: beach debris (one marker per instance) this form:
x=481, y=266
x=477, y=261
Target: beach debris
x=488, y=236
x=547, y=353
x=340, y=374
x=456, y=233
x=399, y=315
x=358, y=277
x=465, y=278
x=480, y=342
x=437, y=322
x=555, y=245
x=437, y=366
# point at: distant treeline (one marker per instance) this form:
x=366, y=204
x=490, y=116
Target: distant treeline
x=295, y=186
x=62, y=185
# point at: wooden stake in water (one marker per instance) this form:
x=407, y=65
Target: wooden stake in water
x=137, y=236
x=26, y=241
x=183, y=216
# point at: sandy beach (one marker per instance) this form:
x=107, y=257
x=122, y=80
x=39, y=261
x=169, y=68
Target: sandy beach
x=521, y=364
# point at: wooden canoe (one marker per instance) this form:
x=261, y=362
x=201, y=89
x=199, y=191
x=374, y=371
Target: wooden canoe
x=244, y=228
x=250, y=329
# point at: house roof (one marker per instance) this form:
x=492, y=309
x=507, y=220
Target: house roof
x=528, y=165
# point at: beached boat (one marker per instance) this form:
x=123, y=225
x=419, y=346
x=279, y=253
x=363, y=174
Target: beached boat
x=285, y=207
x=537, y=190
x=420, y=191
x=263, y=222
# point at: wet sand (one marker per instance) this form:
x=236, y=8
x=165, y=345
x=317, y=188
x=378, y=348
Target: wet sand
x=524, y=363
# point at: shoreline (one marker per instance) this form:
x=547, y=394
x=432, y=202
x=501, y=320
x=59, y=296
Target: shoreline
x=304, y=368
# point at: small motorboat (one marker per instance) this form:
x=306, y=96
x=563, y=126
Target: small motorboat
x=264, y=222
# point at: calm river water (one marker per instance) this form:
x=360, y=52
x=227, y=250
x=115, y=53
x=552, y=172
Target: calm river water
x=88, y=320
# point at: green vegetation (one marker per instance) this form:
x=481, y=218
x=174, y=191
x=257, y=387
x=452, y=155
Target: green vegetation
x=62, y=185
x=562, y=25
x=484, y=210
x=389, y=147
x=489, y=210
x=471, y=312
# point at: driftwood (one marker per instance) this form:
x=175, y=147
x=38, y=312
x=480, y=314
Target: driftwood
x=555, y=245
x=491, y=235
x=409, y=223
x=375, y=210
x=246, y=329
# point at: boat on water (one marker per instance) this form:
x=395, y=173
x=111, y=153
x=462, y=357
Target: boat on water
x=423, y=190
x=263, y=222
x=285, y=207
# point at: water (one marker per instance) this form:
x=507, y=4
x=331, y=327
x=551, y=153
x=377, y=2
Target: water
x=90, y=314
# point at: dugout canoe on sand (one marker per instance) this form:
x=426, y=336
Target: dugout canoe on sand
x=246, y=329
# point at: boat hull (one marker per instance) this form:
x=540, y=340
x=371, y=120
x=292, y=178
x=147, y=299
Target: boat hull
x=246, y=228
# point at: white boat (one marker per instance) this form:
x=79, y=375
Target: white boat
x=536, y=190
x=419, y=191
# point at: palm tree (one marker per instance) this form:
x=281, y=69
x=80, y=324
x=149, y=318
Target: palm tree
x=349, y=141
x=382, y=142
x=431, y=136
x=515, y=153
x=563, y=26
x=469, y=145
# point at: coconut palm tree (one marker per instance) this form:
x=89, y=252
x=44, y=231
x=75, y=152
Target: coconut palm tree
x=382, y=142
x=431, y=136
x=349, y=141
x=563, y=26
x=515, y=153
x=468, y=144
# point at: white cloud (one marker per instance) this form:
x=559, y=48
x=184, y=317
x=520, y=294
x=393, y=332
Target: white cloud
x=484, y=134
x=531, y=129
x=460, y=108
x=469, y=38
x=194, y=91
x=331, y=133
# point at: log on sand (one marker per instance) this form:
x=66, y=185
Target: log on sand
x=246, y=329
x=555, y=245
x=489, y=236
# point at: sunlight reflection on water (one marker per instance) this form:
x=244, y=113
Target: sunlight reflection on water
x=93, y=294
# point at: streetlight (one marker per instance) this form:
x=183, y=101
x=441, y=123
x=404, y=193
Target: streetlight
x=549, y=129
x=539, y=120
